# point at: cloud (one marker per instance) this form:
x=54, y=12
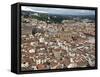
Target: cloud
x=26, y=8
x=31, y=9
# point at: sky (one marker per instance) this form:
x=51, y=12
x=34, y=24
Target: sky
x=58, y=10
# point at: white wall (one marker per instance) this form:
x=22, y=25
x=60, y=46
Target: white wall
x=5, y=38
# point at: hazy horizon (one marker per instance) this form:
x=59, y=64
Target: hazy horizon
x=59, y=11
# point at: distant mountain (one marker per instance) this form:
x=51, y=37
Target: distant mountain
x=55, y=17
